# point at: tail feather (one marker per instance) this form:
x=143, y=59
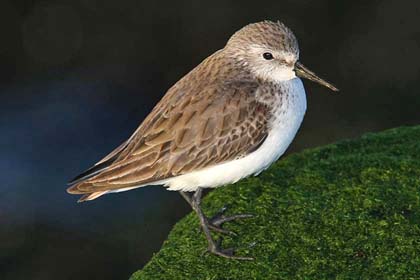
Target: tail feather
x=94, y=170
x=100, y=166
x=77, y=188
x=91, y=196
x=78, y=183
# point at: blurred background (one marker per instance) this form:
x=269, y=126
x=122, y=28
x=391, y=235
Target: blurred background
x=78, y=76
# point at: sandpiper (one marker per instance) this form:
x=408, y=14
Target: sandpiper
x=232, y=116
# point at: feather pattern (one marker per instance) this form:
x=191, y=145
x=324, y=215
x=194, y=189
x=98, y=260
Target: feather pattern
x=230, y=117
x=191, y=128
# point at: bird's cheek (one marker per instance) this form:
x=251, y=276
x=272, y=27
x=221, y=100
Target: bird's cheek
x=283, y=73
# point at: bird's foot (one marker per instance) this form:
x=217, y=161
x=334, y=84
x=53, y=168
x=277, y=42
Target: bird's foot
x=229, y=254
x=226, y=253
x=215, y=223
x=215, y=247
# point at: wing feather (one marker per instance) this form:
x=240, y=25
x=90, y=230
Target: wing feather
x=191, y=128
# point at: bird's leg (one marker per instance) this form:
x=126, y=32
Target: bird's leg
x=186, y=197
x=213, y=247
x=211, y=226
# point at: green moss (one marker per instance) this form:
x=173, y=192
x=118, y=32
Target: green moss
x=349, y=210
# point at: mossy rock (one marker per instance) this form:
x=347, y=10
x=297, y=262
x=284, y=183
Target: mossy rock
x=349, y=210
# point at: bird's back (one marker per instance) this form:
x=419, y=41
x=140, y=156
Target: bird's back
x=208, y=117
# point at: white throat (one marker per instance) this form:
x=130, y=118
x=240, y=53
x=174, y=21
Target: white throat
x=276, y=75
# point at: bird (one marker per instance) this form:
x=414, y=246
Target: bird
x=230, y=117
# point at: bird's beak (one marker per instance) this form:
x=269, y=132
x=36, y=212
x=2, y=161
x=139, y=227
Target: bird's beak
x=303, y=72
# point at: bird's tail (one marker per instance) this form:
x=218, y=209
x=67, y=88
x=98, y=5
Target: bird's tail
x=91, y=196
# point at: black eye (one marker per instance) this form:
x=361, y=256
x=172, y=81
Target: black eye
x=268, y=56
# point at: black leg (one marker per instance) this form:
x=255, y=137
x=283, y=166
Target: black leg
x=219, y=219
x=213, y=247
x=215, y=223
x=186, y=197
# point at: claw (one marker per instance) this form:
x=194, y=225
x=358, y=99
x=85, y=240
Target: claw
x=220, y=212
x=221, y=230
x=223, y=219
x=215, y=225
x=229, y=254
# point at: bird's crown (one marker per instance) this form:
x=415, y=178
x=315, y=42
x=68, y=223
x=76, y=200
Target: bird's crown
x=273, y=35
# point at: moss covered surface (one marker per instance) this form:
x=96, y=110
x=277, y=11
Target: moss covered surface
x=349, y=210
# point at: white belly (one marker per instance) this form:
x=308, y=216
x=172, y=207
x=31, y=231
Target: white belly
x=284, y=126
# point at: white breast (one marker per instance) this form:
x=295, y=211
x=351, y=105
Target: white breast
x=288, y=117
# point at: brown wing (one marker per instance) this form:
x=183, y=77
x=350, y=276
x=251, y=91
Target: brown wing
x=100, y=165
x=186, y=131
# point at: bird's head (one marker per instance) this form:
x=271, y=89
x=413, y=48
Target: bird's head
x=270, y=51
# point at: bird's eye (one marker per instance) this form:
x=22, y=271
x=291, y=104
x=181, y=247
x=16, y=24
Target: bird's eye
x=268, y=56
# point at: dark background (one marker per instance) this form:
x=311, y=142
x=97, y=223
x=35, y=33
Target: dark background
x=78, y=76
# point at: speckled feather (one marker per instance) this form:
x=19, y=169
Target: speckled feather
x=217, y=113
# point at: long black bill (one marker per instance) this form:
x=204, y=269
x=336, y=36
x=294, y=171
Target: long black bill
x=303, y=72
